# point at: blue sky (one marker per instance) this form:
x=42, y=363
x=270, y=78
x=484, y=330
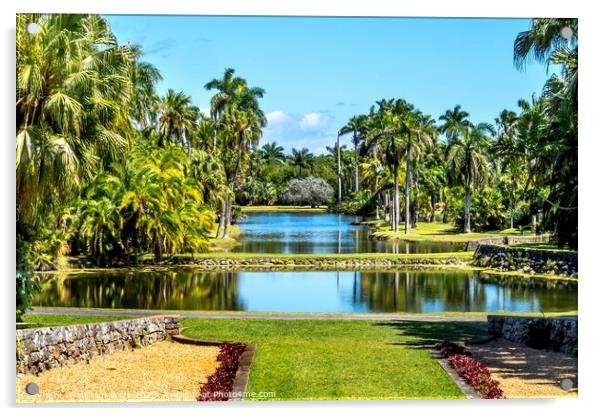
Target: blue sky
x=318, y=72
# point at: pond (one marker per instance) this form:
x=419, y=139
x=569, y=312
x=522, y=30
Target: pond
x=323, y=233
x=317, y=291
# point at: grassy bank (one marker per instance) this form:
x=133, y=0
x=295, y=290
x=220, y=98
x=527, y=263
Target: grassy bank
x=434, y=232
x=282, y=208
x=220, y=245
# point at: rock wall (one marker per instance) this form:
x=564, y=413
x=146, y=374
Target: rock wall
x=508, y=239
x=321, y=263
x=39, y=349
x=557, y=334
x=526, y=260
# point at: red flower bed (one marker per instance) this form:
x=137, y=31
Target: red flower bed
x=473, y=371
x=219, y=385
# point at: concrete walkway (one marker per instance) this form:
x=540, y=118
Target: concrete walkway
x=255, y=315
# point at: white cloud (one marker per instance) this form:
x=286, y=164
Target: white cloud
x=314, y=121
x=206, y=111
x=276, y=117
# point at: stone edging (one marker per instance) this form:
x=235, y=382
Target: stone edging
x=466, y=388
x=244, y=363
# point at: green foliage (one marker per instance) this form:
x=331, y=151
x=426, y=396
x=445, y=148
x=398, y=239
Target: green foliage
x=360, y=202
x=487, y=210
x=26, y=285
x=151, y=206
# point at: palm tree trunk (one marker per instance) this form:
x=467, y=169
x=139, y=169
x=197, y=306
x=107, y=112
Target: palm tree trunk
x=467, y=209
x=222, y=221
x=357, y=174
x=339, y=167
x=387, y=212
x=407, y=196
x=396, y=202
x=432, y=207
x=228, y=216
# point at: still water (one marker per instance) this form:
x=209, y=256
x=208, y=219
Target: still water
x=321, y=291
x=310, y=233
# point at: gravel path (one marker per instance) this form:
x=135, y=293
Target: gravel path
x=525, y=372
x=165, y=371
x=243, y=315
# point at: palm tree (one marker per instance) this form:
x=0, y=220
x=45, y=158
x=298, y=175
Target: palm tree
x=544, y=37
x=390, y=132
x=236, y=107
x=467, y=160
x=177, y=118
x=74, y=84
x=357, y=126
x=451, y=119
x=271, y=152
x=302, y=160
x=335, y=152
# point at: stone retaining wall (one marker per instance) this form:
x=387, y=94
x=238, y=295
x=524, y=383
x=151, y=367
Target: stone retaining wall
x=508, y=239
x=39, y=349
x=557, y=334
x=268, y=263
x=526, y=260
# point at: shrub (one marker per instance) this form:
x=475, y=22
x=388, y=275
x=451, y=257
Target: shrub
x=219, y=385
x=487, y=210
x=473, y=371
x=307, y=191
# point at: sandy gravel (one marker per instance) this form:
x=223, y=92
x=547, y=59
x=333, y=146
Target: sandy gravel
x=525, y=372
x=165, y=371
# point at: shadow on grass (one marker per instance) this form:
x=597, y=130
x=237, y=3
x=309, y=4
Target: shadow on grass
x=416, y=334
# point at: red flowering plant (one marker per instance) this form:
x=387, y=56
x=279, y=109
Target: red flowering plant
x=219, y=385
x=473, y=371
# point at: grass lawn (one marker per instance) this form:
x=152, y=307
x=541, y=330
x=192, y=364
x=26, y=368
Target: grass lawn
x=342, y=256
x=334, y=359
x=540, y=246
x=282, y=208
x=438, y=232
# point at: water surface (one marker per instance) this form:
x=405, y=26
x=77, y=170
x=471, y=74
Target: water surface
x=322, y=233
x=315, y=291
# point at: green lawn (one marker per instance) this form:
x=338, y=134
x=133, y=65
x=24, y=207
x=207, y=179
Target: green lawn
x=540, y=246
x=336, y=359
x=282, y=208
x=437, y=232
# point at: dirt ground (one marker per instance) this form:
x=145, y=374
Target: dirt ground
x=165, y=371
x=525, y=372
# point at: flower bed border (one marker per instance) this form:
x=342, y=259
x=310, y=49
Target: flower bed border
x=458, y=357
x=245, y=360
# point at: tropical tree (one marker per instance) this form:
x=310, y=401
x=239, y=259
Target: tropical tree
x=451, y=119
x=302, y=160
x=358, y=126
x=177, y=118
x=271, y=152
x=236, y=108
x=467, y=161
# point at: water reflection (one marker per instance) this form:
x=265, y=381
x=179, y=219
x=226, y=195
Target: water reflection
x=306, y=233
x=326, y=291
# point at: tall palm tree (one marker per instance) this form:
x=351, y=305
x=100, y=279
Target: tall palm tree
x=451, y=119
x=390, y=132
x=235, y=106
x=356, y=125
x=467, y=160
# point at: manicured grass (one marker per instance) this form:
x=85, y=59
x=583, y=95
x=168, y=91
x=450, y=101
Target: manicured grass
x=282, y=208
x=541, y=246
x=437, y=232
x=343, y=256
x=33, y=320
x=334, y=315
x=334, y=359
